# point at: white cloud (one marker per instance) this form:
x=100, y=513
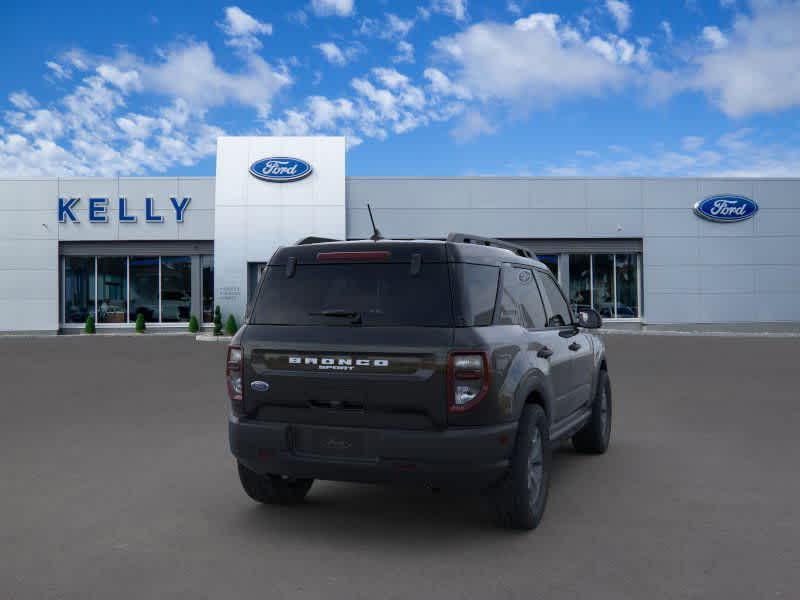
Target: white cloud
x=735, y=154
x=58, y=70
x=715, y=37
x=243, y=29
x=758, y=70
x=453, y=8
x=692, y=143
x=621, y=11
x=472, y=124
x=514, y=8
x=336, y=55
x=441, y=84
x=727, y=3
x=91, y=130
x=536, y=60
x=405, y=53
x=339, y=8
x=398, y=27
x=22, y=100
x=666, y=27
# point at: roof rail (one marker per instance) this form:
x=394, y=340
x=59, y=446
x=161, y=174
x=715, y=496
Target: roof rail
x=314, y=239
x=468, y=238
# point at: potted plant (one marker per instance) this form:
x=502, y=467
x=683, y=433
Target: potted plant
x=217, y=321
x=140, y=324
x=194, y=327
x=89, y=327
x=231, y=327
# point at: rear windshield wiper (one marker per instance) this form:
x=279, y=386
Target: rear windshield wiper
x=354, y=316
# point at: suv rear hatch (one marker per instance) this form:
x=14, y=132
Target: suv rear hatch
x=351, y=335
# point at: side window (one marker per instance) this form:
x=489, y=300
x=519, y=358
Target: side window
x=559, y=310
x=477, y=285
x=520, y=302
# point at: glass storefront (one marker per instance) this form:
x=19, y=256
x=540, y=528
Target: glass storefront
x=144, y=288
x=609, y=283
x=116, y=289
x=207, y=271
x=176, y=289
x=112, y=289
x=79, y=288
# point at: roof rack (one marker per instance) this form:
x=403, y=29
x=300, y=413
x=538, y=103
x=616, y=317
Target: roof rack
x=313, y=239
x=468, y=238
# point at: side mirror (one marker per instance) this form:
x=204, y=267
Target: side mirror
x=589, y=318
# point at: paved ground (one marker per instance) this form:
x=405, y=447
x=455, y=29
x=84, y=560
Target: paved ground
x=115, y=482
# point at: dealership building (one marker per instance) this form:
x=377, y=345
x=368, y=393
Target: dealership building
x=653, y=251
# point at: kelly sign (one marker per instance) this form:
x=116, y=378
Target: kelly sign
x=98, y=210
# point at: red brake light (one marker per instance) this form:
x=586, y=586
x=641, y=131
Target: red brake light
x=468, y=379
x=354, y=256
x=234, y=377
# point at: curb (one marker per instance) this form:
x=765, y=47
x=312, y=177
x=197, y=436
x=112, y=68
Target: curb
x=730, y=334
x=214, y=338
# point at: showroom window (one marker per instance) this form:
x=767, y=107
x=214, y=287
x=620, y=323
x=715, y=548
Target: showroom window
x=117, y=289
x=207, y=271
x=609, y=283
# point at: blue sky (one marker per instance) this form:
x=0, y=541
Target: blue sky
x=437, y=87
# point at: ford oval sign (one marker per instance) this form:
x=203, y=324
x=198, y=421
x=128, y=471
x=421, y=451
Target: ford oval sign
x=280, y=169
x=726, y=209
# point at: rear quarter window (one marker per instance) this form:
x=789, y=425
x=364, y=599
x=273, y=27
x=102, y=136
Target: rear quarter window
x=477, y=292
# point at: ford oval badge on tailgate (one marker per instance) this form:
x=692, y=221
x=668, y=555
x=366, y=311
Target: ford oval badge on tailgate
x=280, y=169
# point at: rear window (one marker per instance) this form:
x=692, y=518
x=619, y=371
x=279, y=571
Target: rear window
x=355, y=294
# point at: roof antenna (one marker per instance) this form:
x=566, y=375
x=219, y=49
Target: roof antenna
x=377, y=234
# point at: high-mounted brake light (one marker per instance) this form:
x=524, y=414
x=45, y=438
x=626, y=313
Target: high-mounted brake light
x=233, y=377
x=354, y=256
x=468, y=379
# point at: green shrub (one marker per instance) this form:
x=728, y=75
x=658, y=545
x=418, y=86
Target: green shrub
x=230, y=325
x=194, y=327
x=89, y=327
x=140, y=324
x=217, y=321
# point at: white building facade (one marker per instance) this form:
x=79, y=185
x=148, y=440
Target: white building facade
x=169, y=248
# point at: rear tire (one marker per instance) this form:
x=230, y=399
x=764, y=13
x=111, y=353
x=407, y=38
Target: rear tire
x=520, y=499
x=596, y=434
x=273, y=489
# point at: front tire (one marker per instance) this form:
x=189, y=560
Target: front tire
x=520, y=500
x=596, y=434
x=273, y=489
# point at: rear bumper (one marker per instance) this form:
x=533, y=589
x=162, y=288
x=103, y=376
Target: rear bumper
x=468, y=456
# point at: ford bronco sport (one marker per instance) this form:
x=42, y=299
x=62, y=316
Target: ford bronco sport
x=454, y=362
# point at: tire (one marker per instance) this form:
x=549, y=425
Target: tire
x=596, y=434
x=520, y=499
x=273, y=489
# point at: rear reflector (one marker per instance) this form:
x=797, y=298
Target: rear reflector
x=354, y=256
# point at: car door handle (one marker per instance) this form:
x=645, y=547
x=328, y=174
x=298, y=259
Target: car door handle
x=574, y=346
x=544, y=352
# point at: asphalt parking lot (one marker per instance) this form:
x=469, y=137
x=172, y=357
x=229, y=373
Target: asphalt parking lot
x=117, y=483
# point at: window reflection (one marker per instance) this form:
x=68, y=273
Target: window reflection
x=603, y=284
x=144, y=288
x=112, y=290
x=78, y=288
x=580, y=290
x=627, y=304
x=207, y=266
x=176, y=289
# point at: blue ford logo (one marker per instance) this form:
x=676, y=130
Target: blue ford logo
x=726, y=209
x=280, y=169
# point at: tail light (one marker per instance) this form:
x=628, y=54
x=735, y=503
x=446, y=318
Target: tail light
x=233, y=376
x=467, y=380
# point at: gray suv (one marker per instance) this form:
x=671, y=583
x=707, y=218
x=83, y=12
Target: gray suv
x=445, y=363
